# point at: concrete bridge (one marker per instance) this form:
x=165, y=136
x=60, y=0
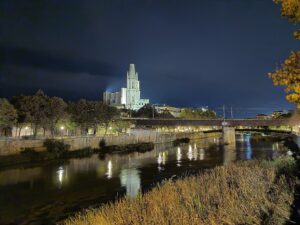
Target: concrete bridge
x=228, y=126
x=140, y=122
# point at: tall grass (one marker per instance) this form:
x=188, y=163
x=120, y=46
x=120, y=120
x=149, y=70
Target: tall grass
x=243, y=193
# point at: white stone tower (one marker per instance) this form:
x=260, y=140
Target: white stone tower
x=133, y=87
x=129, y=97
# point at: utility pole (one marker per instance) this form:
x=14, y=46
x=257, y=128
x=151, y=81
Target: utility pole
x=152, y=111
x=224, y=113
x=231, y=112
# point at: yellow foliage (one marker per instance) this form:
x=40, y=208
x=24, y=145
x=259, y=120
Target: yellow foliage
x=235, y=194
x=290, y=9
x=289, y=75
x=297, y=34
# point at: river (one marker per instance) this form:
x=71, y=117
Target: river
x=45, y=194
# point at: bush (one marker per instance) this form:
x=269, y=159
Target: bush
x=56, y=147
x=28, y=151
x=181, y=140
x=85, y=152
x=102, y=143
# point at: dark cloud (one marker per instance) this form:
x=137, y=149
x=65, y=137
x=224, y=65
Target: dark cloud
x=54, y=63
x=187, y=53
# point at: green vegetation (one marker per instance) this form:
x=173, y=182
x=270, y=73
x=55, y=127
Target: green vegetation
x=123, y=149
x=254, y=192
x=91, y=114
x=180, y=140
x=58, y=150
x=54, y=115
x=149, y=111
x=8, y=116
x=198, y=114
x=56, y=146
x=288, y=74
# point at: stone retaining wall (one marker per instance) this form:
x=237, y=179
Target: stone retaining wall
x=15, y=146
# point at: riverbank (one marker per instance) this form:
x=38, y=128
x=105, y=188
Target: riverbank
x=295, y=215
x=16, y=146
x=253, y=192
x=61, y=149
x=57, y=150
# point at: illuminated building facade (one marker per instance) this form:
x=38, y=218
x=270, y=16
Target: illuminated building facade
x=129, y=97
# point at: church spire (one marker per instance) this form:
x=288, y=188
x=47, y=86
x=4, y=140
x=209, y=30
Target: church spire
x=131, y=72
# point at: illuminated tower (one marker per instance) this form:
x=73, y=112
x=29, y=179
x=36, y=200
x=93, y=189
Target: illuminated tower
x=133, y=88
x=129, y=97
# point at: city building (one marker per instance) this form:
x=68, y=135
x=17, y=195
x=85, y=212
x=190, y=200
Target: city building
x=173, y=110
x=129, y=97
x=277, y=114
x=262, y=116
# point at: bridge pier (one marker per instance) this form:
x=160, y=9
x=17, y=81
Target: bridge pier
x=228, y=135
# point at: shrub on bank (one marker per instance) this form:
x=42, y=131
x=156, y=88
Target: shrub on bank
x=81, y=153
x=180, y=141
x=56, y=147
x=102, y=143
x=123, y=149
x=28, y=151
x=243, y=193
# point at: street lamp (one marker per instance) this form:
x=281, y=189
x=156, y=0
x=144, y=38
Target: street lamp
x=153, y=108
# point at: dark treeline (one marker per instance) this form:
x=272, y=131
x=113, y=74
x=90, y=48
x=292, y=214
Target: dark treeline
x=51, y=116
x=40, y=111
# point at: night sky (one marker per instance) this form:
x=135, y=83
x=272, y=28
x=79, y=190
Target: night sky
x=187, y=53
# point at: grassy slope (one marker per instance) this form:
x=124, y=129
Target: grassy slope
x=244, y=193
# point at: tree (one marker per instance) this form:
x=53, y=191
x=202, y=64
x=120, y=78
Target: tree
x=55, y=112
x=108, y=114
x=21, y=104
x=8, y=115
x=33, y=110
x=198, y=114
x=90, y=114
x=38, y=111
x=121, y=125
x=147, y=111
x=80, y=114
x=289, y=73
x=165, y=115
x=290, y=9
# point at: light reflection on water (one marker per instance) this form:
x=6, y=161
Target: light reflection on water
x=130, y=179
x=78, y=181
x=179, y=156
x=109, y=172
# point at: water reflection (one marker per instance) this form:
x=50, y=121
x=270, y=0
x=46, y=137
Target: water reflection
x=161, y=160
x=130, y=179
x=190, y=153
x=61, y=176
x=179, y=156
x=248, y=146
x=229, y=154
x=109, y=172
x=16, y=176
x=201, y=154
x=78, y=182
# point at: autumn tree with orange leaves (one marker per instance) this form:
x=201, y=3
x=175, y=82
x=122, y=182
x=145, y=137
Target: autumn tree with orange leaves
x=289, y=73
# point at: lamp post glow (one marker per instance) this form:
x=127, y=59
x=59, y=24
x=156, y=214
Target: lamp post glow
x=62, y=128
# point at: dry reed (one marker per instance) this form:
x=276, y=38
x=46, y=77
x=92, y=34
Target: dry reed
x=244, y=193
